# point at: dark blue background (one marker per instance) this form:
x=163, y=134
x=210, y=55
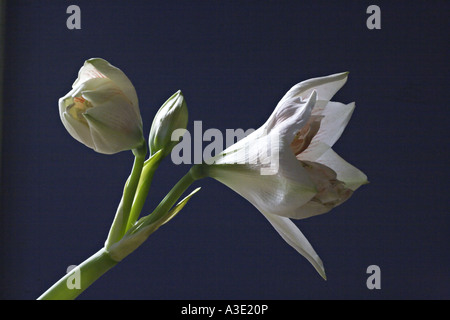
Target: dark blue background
x=233, y=60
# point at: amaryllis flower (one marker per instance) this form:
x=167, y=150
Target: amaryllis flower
x=102, y=110
x=287, y=168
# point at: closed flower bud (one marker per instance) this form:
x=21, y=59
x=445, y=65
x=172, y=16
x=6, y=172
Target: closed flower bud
x=102, y=111
x=172, y=115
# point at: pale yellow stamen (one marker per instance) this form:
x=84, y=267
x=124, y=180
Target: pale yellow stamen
x=78, y=107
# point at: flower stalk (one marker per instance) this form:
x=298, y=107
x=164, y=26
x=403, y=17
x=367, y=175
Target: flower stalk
x=143, y=188
x=120, y=222
x=89, y=271
x=106, y=258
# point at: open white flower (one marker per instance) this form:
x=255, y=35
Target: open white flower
x=102, y=110
x=298, y=175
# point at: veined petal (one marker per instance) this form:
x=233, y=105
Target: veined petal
x=335, y=118
x=350, y=175
x=281, y=193
x=113, y=107
x=104, y=68
x=77, y=130
x=295, y=238
x=113, y=118
x=315, y=150
x=88, y=72
x=290, y=116
x=326, y=87
x=101, y=90
x=248, y=150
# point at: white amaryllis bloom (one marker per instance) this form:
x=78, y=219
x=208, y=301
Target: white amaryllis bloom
x=287, y=168
x=102, y=110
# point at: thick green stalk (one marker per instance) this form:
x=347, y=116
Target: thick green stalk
x=195, y=173
x=144, y=227
x=80, y=278
x=172, y=197
x=143, y=187
x=130, y=190
x=99, y=263
x=120, y=223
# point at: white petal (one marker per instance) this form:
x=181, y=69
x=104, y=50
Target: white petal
x=311, y=209
x=331, y=192
x=118, y=77
x=112, y=108
x=295, y=238
x=315, y=150
x=263, y=169
x=87, y=72
x=351, y=176
x=326, y=87
x=290, y=116
x=272, y=193
x=77, y=130
x=335, y=118
x=244, y=151
x=279, y=193
x=113, y=123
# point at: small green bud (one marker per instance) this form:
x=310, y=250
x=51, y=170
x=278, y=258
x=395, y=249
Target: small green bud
x=172, y=115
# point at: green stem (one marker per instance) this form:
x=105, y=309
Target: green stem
x=172, y=197
x=143, y=188
x=144, y=227
x=98, y=264
x=80, y=278
x=120, y=223
x=130, y=189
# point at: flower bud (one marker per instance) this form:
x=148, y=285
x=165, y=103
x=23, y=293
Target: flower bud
x=172, y=115
x=102, y=110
